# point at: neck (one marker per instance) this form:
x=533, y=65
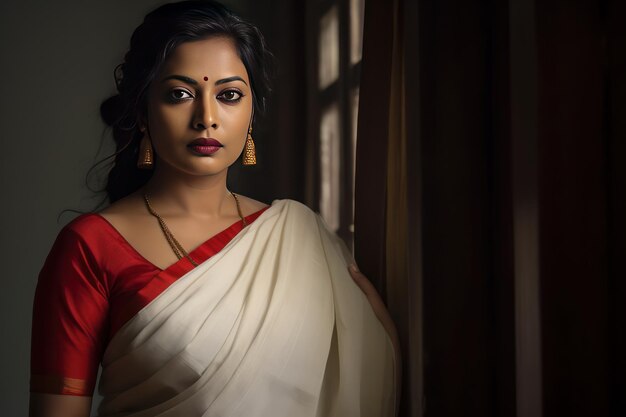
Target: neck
x=188, y=195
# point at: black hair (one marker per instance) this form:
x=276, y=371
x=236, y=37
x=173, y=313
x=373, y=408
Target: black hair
x=151, y=44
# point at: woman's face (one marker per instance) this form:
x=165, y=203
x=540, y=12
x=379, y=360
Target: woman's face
x=203, y=92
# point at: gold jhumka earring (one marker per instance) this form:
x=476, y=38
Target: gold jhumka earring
x=249, y=152
x=145, y=160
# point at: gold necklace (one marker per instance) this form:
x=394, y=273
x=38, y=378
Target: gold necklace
x=178, y=249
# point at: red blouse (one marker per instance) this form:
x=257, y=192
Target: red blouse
x=92, y=283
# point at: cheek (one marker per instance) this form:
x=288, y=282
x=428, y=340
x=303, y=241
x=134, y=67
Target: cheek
x=167, y=120
x=238, y=119
x=239, y=124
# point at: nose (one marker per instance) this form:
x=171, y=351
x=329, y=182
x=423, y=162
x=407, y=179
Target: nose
x=205, y=115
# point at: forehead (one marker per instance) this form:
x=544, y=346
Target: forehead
x=214, y=57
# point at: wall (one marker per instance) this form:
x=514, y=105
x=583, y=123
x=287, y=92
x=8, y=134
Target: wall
x=58, y=61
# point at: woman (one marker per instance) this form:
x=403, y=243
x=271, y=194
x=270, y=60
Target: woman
x=260, y=319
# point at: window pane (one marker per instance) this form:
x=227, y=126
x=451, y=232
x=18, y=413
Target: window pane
x=329, y=166
x=329, y=48
x=357, y=8
x=354, y=110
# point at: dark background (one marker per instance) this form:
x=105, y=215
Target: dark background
x=517, y=150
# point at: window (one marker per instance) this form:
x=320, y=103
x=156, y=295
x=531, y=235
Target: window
x=335, y=32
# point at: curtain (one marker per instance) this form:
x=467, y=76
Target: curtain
x=489, y=200
x=386, y=186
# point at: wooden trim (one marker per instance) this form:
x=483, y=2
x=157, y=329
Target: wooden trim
x=345, y=177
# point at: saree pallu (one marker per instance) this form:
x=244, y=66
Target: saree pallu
x=272, y=325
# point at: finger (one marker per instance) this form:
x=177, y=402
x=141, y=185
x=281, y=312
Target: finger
x=375, y=300
x=364, y=284
x=360, y=279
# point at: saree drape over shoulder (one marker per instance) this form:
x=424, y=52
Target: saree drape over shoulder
x=271, y=325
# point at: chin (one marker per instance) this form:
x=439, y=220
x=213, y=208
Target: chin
x=194, y=167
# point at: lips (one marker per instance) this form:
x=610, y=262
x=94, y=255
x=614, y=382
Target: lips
x=205, y=142
x=204, y=146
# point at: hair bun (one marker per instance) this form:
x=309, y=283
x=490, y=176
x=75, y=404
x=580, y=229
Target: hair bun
x=111, y=110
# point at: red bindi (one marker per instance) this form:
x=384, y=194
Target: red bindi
x=206, y=78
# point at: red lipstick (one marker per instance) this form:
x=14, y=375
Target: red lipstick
x=204, y=146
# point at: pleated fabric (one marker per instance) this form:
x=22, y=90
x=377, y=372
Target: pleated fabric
x=272, y=325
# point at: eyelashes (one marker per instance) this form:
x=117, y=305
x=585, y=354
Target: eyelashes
x=178, y=95
x=229, y=96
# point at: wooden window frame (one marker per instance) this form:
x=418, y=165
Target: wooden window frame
x=340, y=92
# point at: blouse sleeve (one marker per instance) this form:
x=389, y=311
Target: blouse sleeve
x=69, y=319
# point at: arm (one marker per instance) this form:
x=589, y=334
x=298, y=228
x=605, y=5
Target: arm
x=385, y=318
x=69, y=317
x=52, y=405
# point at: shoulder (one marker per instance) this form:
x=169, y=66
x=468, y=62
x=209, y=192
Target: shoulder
x=79, y=236
x=129, y=208
x=287, y=207
x=97, y=230
x=75, y=249
x=302, y=212
x=250, y=205
x=297, y=205
x=296, y=210
x=84, y=225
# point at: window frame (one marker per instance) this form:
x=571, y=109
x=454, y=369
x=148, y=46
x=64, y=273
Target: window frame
x=340, y=92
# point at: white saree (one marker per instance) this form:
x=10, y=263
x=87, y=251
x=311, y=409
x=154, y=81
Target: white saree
x=272, y=325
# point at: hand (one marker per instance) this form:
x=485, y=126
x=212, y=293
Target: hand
x=385, y=318
x=376, y=301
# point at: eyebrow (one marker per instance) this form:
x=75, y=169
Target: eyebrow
x=194, y=82
x=229, y=79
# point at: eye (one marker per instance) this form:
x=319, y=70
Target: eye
x=230, y=96
x=179, y=95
